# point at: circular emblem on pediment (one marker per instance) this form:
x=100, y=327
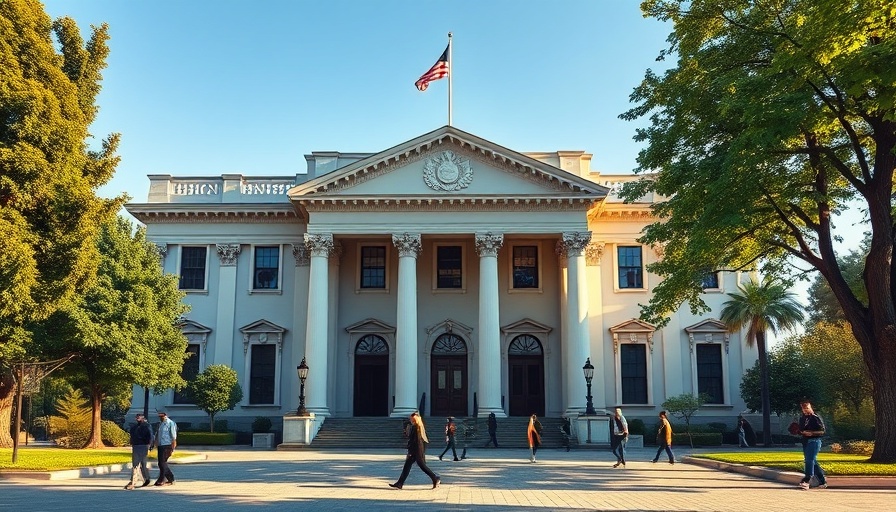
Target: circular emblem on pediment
x=447, y=172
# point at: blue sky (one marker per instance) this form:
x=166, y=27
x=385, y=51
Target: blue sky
x=209, y=87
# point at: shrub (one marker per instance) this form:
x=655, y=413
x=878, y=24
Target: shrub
x=220, y=425
x=113, y=435
x=261, y=425
x=636, y=427
x=856, y=447
x=717, y=427
x=71, y=428
x=700, y=439
x=206, y=438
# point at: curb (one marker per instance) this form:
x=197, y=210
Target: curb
x=70, y=474
x=789, y=477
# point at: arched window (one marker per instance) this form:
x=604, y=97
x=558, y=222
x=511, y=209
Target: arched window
x=449, y=344
x=371, y=345
x=525, y=345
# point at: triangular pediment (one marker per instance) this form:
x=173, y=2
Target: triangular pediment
x=370, y=325
x=526, y=325
x=191, y=327
x=449, y=325
x=633, y=325
x=708, y=325
x=262, y=326
x=447, y=164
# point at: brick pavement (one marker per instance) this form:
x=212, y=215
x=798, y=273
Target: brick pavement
x=489, y=480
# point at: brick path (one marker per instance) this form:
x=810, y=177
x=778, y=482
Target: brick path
x=489, y=480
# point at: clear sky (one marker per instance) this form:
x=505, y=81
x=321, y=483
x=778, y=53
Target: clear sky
x=205, y=87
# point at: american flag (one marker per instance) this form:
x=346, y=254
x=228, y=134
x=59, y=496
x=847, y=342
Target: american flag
x=437, y=71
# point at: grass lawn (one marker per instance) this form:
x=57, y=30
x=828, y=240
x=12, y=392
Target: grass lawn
x=832, y=463
x=51, y=459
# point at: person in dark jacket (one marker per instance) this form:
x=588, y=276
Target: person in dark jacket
x=492, y=430
x=450, y=434
x=141, y=439
x=417, y=442
x=811, y=428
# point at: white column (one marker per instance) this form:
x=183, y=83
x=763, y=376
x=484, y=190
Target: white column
x=406, y=346
x=487, y=246
x=224, y=328
x=300, y=324
x=317, y=325
x=604, y=376
x=577, y=335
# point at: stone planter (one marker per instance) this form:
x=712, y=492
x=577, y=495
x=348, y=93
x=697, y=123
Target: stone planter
x=264, y=441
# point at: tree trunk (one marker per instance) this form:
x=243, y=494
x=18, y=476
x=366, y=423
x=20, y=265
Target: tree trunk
x=883, y=378
x=764, y=394
x=211, y=422
x=96, y=432
x=7, y=394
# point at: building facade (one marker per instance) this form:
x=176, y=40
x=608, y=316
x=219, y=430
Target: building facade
x=447, y=274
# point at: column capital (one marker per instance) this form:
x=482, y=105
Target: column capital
x=320, y=244
x=302, y=255
x=488, y=244
x=573, y=243
x=594, y=252
x=161, y=251
x=408, y=244
x=228, y=253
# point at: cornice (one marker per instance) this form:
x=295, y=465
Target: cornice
x=168, y=213
x=453, y=204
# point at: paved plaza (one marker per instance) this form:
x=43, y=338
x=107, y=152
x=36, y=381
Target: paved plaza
x=489, y=480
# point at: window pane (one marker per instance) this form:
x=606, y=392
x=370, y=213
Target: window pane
x=449, y=265
x=633, y=359
x=525, y=266
x=192, y=268
x=267, y=266
x=711, y=280
x=188, y=372
x=373, y=267
x=709, y=372
x=261, y=374
x=629, y=263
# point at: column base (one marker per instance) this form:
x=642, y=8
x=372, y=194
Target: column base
x=484, y=412
x=403, y=412
x=321, y=412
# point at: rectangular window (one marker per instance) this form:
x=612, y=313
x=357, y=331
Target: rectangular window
x=628, y=261
x=449, y=266
x=267, y=268
x=373, y=267
x=525, y=266
x=192, y=268
x=633, y=365
x=711, y=281
x=262, y=373
x=709, y=372
x=188, y=372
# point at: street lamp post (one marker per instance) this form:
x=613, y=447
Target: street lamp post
x=589, y=374
x=302, y=370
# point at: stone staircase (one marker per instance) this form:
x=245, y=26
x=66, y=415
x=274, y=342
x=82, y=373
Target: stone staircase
x=338, y=433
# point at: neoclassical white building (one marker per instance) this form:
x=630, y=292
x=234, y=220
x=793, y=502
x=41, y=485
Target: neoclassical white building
x=446, y=273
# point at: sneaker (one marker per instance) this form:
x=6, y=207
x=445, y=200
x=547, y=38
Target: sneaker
x=617, y=464
x=804, y=486
x=823, y=486
x=129, y=487
x=396, y=486
x=436, y=483
x=145, y=483
x=654, y=461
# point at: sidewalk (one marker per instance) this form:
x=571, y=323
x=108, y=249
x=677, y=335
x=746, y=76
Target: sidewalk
x=491, y=480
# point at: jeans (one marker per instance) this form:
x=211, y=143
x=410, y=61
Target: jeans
x=742, y=439
x=139, y=453
x=618, y=445
x=810, y=459
x=449, y=445
x=668, y=449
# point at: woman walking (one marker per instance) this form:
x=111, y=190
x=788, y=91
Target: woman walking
x=417, y=442
x=534, y=435
x=664, y=439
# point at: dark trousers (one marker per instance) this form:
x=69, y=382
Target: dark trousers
x=449, y=444
x=617, y=443
x=164, y=470
x=421, y=463
x=492, y=439
x=668, y=449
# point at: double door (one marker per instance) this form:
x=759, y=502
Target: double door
x=449, y=387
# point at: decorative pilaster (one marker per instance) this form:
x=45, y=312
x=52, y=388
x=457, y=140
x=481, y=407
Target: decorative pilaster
x=594, y=252
x=487, y=246
x=577, y=335
x=224, y=328
x=161, y=251
x=228, y=254
x=406, y=346
x=320, y=245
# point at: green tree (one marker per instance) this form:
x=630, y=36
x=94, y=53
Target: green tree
x=760, y=307
x=832, y=351
x=215, y=389
x=123, y=328
x=684, y=406
x=774, y=117
x=791, y=379
x=49, y=211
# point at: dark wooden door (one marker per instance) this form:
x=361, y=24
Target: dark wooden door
x=449, y=386
x=371, y=385
x=526, y=385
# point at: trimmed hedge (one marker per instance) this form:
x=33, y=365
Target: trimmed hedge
x=700, y=439
x=113, y=435
x=206, y=438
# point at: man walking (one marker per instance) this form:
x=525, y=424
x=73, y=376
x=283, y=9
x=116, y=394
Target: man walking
x=620, y=436
x=450, y=433
x=141, y=439
x=492, y=430
x=811, y=428
x=166, y=441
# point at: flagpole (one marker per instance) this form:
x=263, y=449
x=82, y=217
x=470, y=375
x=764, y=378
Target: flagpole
x=450, y=77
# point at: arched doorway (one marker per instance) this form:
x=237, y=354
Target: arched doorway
x=448, y=378
x=526, y=373
x=371, y=376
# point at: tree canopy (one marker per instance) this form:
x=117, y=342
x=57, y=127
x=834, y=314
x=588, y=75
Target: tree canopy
x=775, y=116
x=49, y=175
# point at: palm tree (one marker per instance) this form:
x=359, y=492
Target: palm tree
x=761, y=307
